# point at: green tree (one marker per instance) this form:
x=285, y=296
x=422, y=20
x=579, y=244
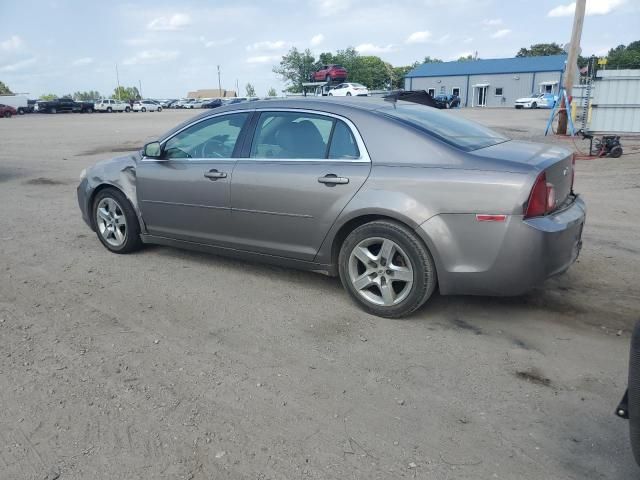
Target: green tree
x=295, y=68
x=86, y=96
x=428, y=59
x=126, y=93
x=251, y=91
x=4, y=89
x=48, y=96
x=272, y=92
x=624, y=56
x=468, y=58
x=540, y=50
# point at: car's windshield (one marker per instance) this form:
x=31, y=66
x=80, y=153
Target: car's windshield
x=446, y=126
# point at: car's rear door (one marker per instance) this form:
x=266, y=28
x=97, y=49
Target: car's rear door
x=298, y=171
x=185, y=194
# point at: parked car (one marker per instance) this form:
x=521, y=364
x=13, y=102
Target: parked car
x=7, y=110
x=443, y=101
x=535, y=100
x=167, y=103
x=215, y=103
x=181, y=103
x=348, y=90
x=629, y=407
x=112, y=105
x=63, y=105
x=146, y=105
x=329, y=73
x=463, y=209
x=19, y=102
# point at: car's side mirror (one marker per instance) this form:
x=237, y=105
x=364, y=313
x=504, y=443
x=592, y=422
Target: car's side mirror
x=152, y=150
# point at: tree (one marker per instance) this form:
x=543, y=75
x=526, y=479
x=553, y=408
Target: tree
x=4, y=89
x=540, y=50
x=468, y=58
x=86, y=96
x=428, y=59
x=295, y=68
x=48, y=97
x=624, y=56
x=272, y=92
x=126, y=93
x=251, y=91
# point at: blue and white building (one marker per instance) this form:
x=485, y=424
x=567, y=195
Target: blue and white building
x=494, y=82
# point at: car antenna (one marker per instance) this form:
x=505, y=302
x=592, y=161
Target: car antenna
x=420, y=97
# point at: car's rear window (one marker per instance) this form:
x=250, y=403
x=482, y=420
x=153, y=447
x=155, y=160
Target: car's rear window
x=446, y=126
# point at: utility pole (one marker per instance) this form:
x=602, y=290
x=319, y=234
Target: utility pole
x=219, y=83
x=237, y=87
x=140, y=89
x=118, y=81
x=572, y=62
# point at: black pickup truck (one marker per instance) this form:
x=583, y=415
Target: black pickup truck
x=60, y=105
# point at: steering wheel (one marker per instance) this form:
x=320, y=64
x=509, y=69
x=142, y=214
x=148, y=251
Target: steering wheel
x=212, y=148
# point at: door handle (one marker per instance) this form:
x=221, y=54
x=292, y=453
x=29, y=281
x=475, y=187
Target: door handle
x=215, y=174
x=332, y=179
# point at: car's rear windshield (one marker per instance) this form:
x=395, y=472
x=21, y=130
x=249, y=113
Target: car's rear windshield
x=445, y=125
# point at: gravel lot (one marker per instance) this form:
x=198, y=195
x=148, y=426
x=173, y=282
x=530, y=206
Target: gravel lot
x=169, y=364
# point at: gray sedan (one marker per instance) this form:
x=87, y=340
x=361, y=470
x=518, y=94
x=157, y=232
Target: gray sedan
x=397, y=199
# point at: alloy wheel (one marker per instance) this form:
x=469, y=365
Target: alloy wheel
x=380, y=271
x=111, y=222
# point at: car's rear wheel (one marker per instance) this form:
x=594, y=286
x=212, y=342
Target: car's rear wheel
x=143, y=109
x=634, y=392
x=387, y=269
x=128, y=109
x=159, y=109
x=116, y=222
x=109, y=110
x=7, y=114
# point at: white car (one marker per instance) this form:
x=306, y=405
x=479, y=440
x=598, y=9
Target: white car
x=146, y=106
x=111, y=105
x=348, y=90
x=535, y=100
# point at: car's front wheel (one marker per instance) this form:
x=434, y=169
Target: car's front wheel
x=159, y=109
x=387, y=269
x=534, y=105
x=116, y=222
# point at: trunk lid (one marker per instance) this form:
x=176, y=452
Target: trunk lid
x=556, y=162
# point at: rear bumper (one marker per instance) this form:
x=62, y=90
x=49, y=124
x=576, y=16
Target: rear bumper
x=503, y=258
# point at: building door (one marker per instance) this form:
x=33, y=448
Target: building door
x=482, y=97
x=432, y=92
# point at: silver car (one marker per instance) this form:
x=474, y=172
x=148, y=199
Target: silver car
x=397, y=199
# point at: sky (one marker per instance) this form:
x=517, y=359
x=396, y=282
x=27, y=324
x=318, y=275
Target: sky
x=172, y=47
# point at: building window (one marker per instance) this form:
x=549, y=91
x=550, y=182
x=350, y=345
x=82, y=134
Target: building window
x=498, y=91
x=455, y=91
x=443, y=89
x=548, y=88
x=432, y=92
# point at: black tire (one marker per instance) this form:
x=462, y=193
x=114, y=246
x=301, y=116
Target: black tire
x=7, y=114
x=53, y=110
x=534, y=105
x=424, y=270
x=616, y=152
x=143, y=109
x=109, y=110
x=90, y=110
x=159, y=109
x=634, y=392
x=127, y=109
x=330, y=94
x=21, y=111
x=132, y=236
x=348, y=94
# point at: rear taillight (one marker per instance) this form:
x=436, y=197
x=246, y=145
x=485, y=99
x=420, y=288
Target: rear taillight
x=542, y=199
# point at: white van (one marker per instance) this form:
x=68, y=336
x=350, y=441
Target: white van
x=19, y=102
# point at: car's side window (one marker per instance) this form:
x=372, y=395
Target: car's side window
x=291, y=135
x=343, y=144
x=212, y=138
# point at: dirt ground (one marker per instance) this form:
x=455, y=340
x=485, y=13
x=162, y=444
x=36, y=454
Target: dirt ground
x=169, y=364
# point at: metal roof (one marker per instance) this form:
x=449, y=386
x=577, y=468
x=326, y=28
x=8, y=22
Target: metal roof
x=550, y=63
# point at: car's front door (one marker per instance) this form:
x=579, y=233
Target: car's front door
x=185, y=193
x=300, y=172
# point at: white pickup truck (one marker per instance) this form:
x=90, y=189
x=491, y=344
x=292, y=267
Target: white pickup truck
x=19, y=102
